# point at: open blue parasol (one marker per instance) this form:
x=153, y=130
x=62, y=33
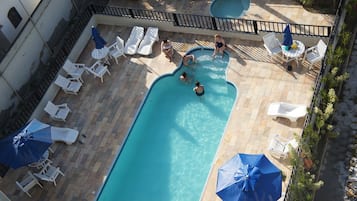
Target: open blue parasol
x=99, y=41
x=249, y=177
x=25, y=146
x=287, y=39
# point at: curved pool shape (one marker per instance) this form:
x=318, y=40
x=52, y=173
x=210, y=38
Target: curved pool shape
x=229, y=8
x=171, y=145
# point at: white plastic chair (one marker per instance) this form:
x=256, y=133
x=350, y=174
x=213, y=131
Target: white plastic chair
x=66, y=135
x=315, y=54
x=136, y=35
x=3, y=197
x=280, y=147
x=287, y=110
x=117, y=49
x=98, y=70
x=69, y=85
x=49, y=173
x=75, y=70
x=272, y=44
x=27, y=183
x=151, y=36
x=57, y=112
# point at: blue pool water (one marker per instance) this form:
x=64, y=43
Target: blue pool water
x=229, y=8
x=171, y=145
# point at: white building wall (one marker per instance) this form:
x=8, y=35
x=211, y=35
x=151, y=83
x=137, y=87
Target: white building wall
x=30, y=47
x=8, y=29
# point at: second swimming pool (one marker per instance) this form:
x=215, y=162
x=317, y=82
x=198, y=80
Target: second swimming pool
x=171, y=145
x=229, y=8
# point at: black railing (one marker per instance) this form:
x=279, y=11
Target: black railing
x=333, y=37
x=213, y=23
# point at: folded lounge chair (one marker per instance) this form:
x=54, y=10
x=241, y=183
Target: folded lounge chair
x=66, y=135
x=287, y=110
x=151, y=36
x=132, y=44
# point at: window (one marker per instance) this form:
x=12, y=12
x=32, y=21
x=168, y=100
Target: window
x=14, y=17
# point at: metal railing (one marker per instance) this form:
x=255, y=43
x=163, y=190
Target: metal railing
x=213, y=23
x=333, y=37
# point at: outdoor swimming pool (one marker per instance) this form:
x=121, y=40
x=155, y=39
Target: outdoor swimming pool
x=229, y=8
x=172, y=143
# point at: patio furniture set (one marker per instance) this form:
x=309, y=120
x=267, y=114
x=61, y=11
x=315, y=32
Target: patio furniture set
x=136, y=43
x=312, y=55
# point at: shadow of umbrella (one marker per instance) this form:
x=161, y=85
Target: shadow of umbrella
x=25, y=146
x=249, y=177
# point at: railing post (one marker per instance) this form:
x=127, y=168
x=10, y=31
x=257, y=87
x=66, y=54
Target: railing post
x=131, y=13
x=176, y=22
x=329, y=31
x=214, y=24
x=255, y=26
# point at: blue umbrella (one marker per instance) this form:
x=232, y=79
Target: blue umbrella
x=25, y=146
x=249, y=177
x=288, y=39
x=99, y=41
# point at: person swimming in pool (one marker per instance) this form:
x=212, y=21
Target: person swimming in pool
x=199, y=89
x=220, y=45
x=183, y=77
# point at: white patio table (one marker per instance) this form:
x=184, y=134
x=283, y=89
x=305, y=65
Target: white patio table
x=294, y=54
x=100, y=54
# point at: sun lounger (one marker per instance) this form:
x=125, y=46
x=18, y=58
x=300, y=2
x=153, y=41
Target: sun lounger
x=66, y=135
x=136, y=35
x=151, y=36
x=287, y=110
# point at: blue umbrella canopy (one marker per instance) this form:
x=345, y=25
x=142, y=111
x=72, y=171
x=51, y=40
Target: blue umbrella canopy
x=287, y=39
x=99, y=41
x=25, y=146
x=249, y=177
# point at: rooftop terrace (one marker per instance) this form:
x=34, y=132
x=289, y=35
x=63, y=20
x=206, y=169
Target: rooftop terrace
x=104, y=112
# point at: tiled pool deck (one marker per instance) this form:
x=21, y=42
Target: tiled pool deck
x=104, y=112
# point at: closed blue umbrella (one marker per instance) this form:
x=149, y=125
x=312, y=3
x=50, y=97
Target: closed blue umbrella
x=249, y=177
x=25, y=146
x=99, y=41
x=287, y=39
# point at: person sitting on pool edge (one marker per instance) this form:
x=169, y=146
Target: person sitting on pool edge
x=199, y=89
x=188, y=59
x=220, y=45
x=167, y=49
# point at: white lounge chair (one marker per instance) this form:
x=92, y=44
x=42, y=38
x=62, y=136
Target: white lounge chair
x=69, y=85
x=280, y=147
x=66, y=135
x=287, y=110
x=136, y=35
x=57, y=112
x=49, y=173
x=27, y=183
x=75, y=70
x=151, y=36
x=272, y=44
x=117, y=49
x=98, y=69
x=315, y=54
